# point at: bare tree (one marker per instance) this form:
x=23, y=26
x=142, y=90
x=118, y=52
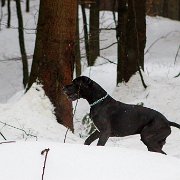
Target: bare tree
x=22, y=43
x=54, y=55
x=131, y=36
x=94, y=32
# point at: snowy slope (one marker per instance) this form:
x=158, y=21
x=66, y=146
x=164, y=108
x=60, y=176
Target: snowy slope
x=65, y=161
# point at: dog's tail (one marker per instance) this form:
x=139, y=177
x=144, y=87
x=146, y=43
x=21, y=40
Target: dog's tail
x=174, y=124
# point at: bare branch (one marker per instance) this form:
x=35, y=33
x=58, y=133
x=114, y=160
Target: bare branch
x=3, y=136
x=108, y=60
x=177, y=55
x=42, y=153
x=27, y=134
x=72, y=117
x=162, y=37
x=108, y=46
x=6, y=142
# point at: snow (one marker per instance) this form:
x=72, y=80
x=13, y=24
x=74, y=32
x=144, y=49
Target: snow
x=29, y=120
x=67, y=161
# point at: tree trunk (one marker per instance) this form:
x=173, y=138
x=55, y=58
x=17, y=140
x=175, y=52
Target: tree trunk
x=27, y=6
x=9, y=13
x=131, y=38
x=3, y=2
x=165, y=8
x=94, y=33
x=54, y=55
x=22, y=43
x=86, y=39
x=140, y=8
x=77, y=47
x=121, y=38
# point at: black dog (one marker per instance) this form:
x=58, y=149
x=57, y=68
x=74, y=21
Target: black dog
x=113, y=118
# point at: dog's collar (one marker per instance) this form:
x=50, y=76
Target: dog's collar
x=99, y=100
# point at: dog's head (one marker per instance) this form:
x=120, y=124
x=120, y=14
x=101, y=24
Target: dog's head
x=79, y=88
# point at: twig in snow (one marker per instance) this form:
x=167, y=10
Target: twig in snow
x=3, y=136
x=42, y=153
x=6, y=142
x=177, y=75
x=177, y=54
x=72, y=117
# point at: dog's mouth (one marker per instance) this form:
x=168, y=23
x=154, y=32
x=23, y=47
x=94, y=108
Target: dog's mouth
x=71, y=95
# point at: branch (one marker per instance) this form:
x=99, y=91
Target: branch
x=176, y=55
x=42, y=153
x=162, y=37
x=6, y=142
x=108, y=46
x=108, y=60
x=72, y=117
x=27, y=134
x=16, y=58
x=3, y=136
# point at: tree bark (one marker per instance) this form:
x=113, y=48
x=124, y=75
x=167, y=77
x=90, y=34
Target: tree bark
x=131, y=32
x=54, y=55
x=22, y=43
x=165, y=8
x=94, y=33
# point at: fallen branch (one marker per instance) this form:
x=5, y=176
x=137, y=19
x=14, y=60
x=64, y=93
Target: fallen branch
x=6, y=142
x=42, y=153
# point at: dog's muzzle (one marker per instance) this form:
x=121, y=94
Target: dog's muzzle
x=70, y=92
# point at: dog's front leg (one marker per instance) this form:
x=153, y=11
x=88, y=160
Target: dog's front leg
x=104, y=135
x=92, y=137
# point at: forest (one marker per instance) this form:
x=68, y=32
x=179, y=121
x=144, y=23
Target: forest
x=131, y=48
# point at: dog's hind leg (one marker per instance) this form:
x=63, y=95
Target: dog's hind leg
x=154, y=137
x=95, y=135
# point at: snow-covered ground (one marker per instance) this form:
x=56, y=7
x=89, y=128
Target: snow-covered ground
x=29, y=117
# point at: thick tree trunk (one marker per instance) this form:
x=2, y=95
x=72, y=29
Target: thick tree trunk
x=131, y=38
x=54, y=55
x=94, y=33
x=22, y=43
